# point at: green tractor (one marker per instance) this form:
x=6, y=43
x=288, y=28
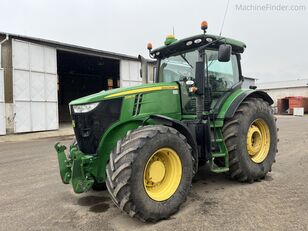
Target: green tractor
x=146, y=143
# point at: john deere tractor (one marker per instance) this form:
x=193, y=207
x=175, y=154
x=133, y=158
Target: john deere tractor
x=146, y=143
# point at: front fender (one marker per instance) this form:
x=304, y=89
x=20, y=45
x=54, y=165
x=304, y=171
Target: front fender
x=183, y=129
x=109, y=141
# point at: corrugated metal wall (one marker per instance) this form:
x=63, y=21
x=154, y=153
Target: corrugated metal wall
x=34, y=87
x=130, y=73
x=248, y=82
x=30, y=99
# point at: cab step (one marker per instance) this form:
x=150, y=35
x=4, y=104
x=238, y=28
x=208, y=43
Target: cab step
x=219, y=154
x=219, y=170
x=217, y=140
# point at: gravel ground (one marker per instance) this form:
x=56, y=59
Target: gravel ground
x=32, y=196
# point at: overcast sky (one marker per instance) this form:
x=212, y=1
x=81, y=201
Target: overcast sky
x=277, y=47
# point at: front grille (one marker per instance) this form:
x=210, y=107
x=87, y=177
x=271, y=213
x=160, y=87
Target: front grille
x=90, y=126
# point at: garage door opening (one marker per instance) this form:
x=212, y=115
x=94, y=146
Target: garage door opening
x=81, y=75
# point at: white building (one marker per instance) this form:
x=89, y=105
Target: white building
x=281, y=89
x=38, y=78
x=248, y=81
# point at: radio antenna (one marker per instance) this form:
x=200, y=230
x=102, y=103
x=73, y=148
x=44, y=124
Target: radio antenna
x=223, y=21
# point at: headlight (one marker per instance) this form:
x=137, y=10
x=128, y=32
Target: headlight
x=84, y=107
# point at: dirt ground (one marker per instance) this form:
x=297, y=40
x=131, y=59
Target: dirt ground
x=32, y=196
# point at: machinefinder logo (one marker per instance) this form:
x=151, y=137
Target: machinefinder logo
x=269, y=7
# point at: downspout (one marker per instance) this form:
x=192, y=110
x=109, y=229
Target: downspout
x=3, y=41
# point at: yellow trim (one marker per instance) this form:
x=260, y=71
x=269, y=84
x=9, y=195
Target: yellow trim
x=141, y=90
x=129, y=96
x=162, y=174
x=258, y=141
x=170, y=36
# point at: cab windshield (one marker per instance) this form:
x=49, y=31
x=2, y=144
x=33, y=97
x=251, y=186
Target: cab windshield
x=181, y=67
x=178, y=67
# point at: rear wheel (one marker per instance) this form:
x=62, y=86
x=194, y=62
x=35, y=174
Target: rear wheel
x=251, y=139
x=150, y=172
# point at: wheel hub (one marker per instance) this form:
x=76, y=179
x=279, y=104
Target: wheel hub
x=162, y=174
x=254, y=140
x=157, y=171
x=258, y=140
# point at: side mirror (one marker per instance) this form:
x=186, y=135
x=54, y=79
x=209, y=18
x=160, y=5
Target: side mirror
x=224, y=53
x=143, y=69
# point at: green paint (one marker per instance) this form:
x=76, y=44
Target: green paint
x=229, y=101
x=82, y=169
x=77, y=169
x=178, y=45
x=103, y=95
x=170, y=40
x=64, y=164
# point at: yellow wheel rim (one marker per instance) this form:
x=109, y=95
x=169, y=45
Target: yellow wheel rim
x=258, y=140
x=162, y=174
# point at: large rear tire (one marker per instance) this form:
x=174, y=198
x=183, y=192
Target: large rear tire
x=150, y=172
x=251, y=139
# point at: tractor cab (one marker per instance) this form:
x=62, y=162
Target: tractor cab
x=177, y=60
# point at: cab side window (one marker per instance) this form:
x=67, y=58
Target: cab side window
x=222, y=75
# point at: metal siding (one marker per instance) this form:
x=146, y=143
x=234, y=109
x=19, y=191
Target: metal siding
x=50, y=59
x=52, y=119
x=21, y=85
x=22, y=120
x=248, y=82
x=124, y=69
x=130, y=73
x=134, y=71
x=2, y=105
x=36, y=58
x=38, y=118
x=51, y=88
x=125, y=83
x=276, y=94
x=37, y=86
x=20, y=55
x=34, y=87
x=283, y=84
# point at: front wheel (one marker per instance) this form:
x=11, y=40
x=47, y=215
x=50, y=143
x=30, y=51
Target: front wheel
x=150, y=172
x=251, y=139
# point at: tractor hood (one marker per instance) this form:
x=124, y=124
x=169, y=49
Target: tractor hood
x=121, y=92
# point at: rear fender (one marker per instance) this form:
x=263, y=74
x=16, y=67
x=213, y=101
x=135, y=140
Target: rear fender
x=233, y=102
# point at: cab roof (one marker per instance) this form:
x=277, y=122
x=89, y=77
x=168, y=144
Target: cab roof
x=195, y=42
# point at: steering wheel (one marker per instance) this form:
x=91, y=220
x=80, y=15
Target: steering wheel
x=228, y=83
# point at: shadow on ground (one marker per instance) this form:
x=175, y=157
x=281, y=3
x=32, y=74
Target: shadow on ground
x=97, y=204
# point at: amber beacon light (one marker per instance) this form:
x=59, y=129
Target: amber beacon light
x=149, y=46
x=204, y=25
